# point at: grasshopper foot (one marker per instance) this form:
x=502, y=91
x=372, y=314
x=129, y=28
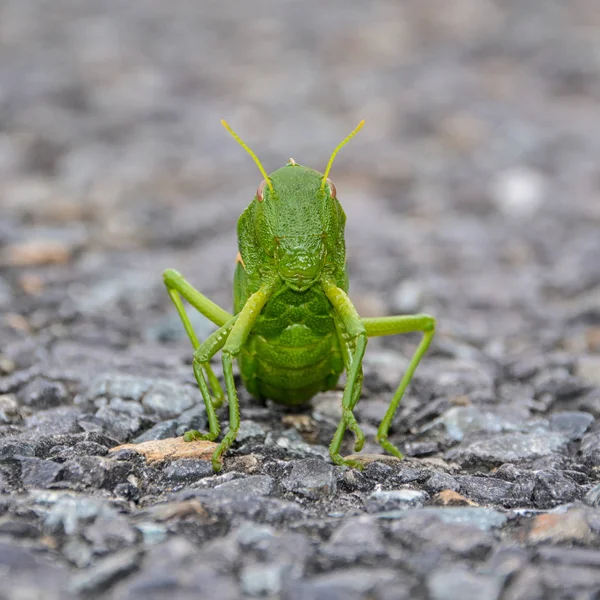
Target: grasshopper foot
x=342, y=462
x=386, y=445
x=351, y=424
x=217, y=464
x=193, y=436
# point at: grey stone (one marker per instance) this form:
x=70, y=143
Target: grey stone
x=407, y=296
x=89, y=449
x=441, y=481
x=460, y=421
x=312, y=478
x=553, y=488
x=351, y=583
x=110, y=532
x=508, y=472
x=118, y=425
x=450, y=378
x=229, y=507
x=168, y=399
x=507, y=560
x=249, y=430
x=175, y=568
x=252, y=534
x=70, y=512
x=192, y=418
x=354, y=540
x=248, y=487
x=186, y=471
x=42, y=394
x=11, y=448
x=37, y=473
x=590, y=448
x=6, y=295
x=483, y=518
x=558, y=383
x=105, y=572
x=460, y=584
x=95, y=472
x=161, y=396
x=170, y=329
x=54, y=421
x=259, y=580
x=160, y=431
x=569, y=578
x=526, y=585
x=380, y=501
x=78, y=552
x=424, y=531
x=592, y=498
x=9, y=409
x=572, y=424
x=485, y=489
x=570, y=556
x=508, y=447
x=292, y=442
x=27, y=575
x=119, y=386
x=18, y=529
x=152, y=533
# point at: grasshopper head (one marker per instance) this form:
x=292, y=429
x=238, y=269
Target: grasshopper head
x=295, y=223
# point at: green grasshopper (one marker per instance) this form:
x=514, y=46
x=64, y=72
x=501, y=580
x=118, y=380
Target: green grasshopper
x=294, y=328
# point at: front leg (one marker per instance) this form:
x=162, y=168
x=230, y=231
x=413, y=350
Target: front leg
x=202, y=356
x=178, y=286
x=233, y=346
x=354, y=343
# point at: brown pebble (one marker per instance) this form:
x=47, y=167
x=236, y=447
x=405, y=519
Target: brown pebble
x=592, y=339
x=247, y=463
x=303, y=423
x=366, y=459
x=452, y=498
x=18, y=322
x=35, y=252
x=31, y=284
x=171, y=449
x=571, y=526
x=179, y=510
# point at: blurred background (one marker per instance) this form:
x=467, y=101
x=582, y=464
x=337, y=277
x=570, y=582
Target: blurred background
x=471, y=193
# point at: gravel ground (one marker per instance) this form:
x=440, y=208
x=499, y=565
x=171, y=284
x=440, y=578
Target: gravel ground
x=472, y=193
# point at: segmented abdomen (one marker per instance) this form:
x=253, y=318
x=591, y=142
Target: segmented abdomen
x=293, y=352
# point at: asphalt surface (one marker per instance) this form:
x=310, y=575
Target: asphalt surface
x=472, y=193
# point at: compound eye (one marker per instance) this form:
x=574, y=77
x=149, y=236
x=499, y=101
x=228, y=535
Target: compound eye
x=332, y=189
x=260, y=190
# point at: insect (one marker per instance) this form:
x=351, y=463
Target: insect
x=294, y=329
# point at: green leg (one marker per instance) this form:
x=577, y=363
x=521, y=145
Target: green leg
x=202, y=356
x=177, y=286
x=392, y=326
x=237, y=337
x=354, y=342
x=348, y=349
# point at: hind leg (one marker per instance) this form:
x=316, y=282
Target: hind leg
x=177, y=286
x=392, y=326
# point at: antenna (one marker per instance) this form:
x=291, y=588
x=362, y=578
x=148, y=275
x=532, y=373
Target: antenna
x=337, y=149
x=247, y=148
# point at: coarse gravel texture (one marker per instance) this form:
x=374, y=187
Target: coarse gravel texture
x=472, y=193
